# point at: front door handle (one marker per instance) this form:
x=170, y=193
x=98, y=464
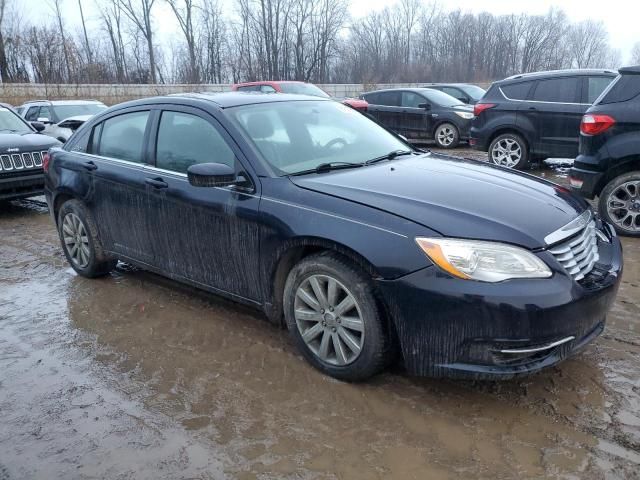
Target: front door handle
x=156, y=182
x=90, y=165
x=533, y=108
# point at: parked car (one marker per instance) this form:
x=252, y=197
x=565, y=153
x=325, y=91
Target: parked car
x=21, y=152
x=608, y=165
x=536, y=115
x=421, y=114
x=60, y=117
x=465, y=92
x=300, y=88
x=312, y=212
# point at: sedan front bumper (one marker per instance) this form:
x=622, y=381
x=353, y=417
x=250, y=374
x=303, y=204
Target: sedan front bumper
x=460, y=328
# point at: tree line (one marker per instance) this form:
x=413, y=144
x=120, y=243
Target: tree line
x=309, y=40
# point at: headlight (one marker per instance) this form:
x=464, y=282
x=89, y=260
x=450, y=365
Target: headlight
x=465, y=115
x=483, y=261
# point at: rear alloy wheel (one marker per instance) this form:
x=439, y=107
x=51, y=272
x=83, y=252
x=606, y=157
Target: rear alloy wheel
x=509, y=150
x=619, y=204
x=447, y=136
x=80, y=243
x=334, y=318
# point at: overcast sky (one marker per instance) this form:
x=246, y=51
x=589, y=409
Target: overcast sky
x=620, y=17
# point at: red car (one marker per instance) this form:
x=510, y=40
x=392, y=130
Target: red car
x=300, y=88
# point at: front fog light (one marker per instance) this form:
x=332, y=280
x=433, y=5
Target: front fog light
x=483, y=261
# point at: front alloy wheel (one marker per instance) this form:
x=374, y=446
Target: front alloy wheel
x=329, y=320
x=334, y=317
x=447, y=136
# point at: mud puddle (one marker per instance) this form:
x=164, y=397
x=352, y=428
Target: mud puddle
x=132, y=376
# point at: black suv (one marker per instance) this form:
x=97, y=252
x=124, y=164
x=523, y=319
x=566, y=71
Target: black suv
x=609, y=162
x=421, y=114
x=465, y=92
x=22, y=150
x=536, y=115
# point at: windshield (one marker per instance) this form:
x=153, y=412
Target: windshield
x=9, y=121
x=66, y=111
x=440, y=98
x=475, y=92
x=303, y=89
x=299, y=136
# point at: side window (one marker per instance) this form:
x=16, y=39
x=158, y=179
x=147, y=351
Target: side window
x=390, y=99
x=185, y=139
x=81, y=143
x=624, y=88
x=45, y=112
x=595, y=86
x=412, y=100
x=32, y=114
x=517, y=91
x=267, y=89
x=371, y=98
x=558, y=90
x=454, y=92
x=123, y=136
x=249, y=88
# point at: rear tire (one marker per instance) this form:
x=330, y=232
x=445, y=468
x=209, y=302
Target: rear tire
x=619, y=204
x=509, y=150
x=346, y=342
x=80, y=243
x=447, y=136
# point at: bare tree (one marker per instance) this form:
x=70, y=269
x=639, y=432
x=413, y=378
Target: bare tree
x=56, y=7
x=635, y=54
x=86, y=37
x=139, y=13
x=184, y=12
x=4, y=65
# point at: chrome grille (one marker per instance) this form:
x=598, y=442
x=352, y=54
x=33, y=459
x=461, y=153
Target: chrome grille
x=27, y=159
x=6, y=162
x=17, y=161
x=579, y=253
x=37, y=159
x=21, y=161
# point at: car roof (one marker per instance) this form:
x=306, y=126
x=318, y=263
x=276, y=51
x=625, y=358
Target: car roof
x=228, y=99
x=632, y=70
x=62, y=102
x=407, y=89
x=558, y=73
x=428, y=85
x=266, y=82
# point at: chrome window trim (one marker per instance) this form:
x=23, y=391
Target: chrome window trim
x=570, y=228
x=540, y=101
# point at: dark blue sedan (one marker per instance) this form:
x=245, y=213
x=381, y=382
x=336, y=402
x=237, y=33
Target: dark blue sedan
x=362, y=246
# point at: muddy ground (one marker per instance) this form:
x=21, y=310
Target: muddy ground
x=132, y=376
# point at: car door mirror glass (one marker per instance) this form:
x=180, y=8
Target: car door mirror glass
x=44, y=120
x=211, y=175
x=426, y=106
x=39, y=126
x=464, y=99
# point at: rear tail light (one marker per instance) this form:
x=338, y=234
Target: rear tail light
x=45, y=162
x=575, y=182
x=478, y=108
x=596, y=124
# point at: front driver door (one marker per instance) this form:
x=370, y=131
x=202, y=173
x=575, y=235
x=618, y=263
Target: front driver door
x=206, y=235
x=415, y=119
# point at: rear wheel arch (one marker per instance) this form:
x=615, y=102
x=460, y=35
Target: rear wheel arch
x=60, y=200
x=622, y=167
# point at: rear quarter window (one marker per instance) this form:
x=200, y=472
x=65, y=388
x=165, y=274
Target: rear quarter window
x=624, y=88
x=595, y=87
x=517, y=91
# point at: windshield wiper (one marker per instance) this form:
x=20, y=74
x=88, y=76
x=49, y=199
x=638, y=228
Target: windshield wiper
x=327, y=167
x=389, y=156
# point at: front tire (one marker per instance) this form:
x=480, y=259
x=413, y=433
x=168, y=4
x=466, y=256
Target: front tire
x=80, y=243
x=619, y=204
x=509, y=150
x=334, y=318
x=447, y=136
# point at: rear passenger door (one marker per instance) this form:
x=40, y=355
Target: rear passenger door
x=209, y=236
x=386, y=109
x=556, y=110
x=118, y=198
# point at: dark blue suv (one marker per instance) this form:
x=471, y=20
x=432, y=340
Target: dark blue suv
x=535, y=115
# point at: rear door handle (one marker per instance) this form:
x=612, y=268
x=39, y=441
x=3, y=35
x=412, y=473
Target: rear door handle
x=90, y=165
x=156, y=182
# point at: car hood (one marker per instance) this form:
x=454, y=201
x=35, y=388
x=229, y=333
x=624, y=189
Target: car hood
x=74, y=122
x=16, y=142
x=456, y=197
